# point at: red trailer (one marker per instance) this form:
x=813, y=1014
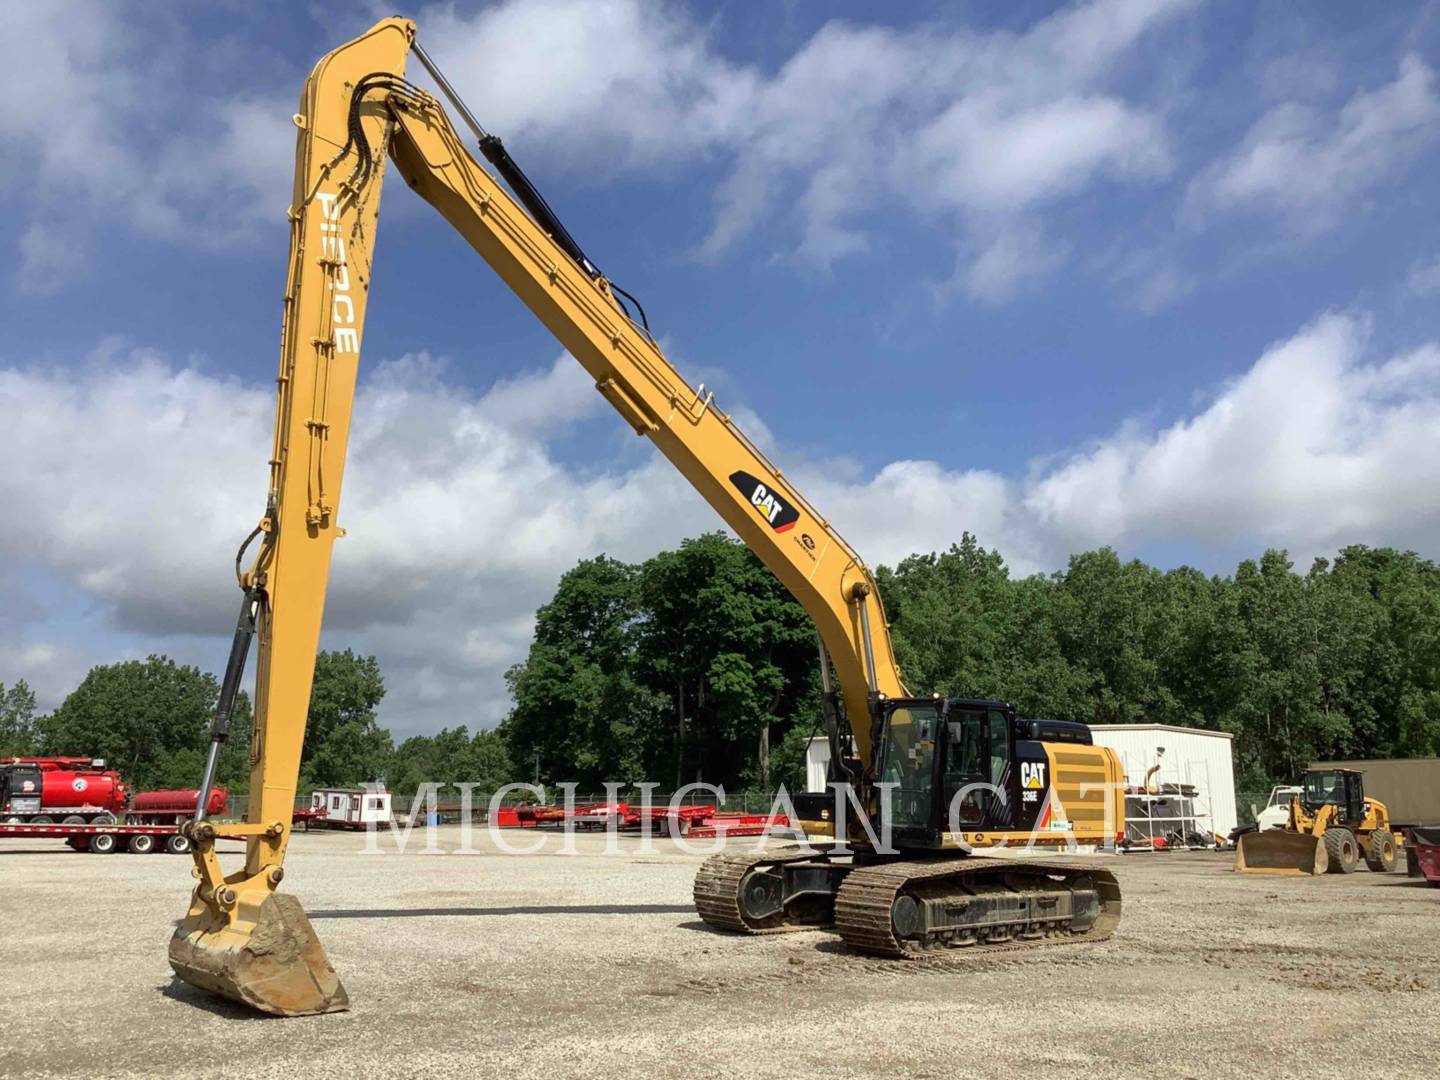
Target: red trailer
x=698, y=822
x=68, y=790
x=173, y=807
x=702, y=822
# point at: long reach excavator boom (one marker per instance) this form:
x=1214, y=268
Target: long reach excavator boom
x=941, y=776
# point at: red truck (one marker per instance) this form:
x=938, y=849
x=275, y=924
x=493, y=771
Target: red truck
x=64, y=790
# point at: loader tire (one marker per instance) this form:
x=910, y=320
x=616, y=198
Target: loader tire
x=1344, y=852
x=1380, y=854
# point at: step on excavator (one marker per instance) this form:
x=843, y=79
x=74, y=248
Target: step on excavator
x=1330, y=828
x=936, y=779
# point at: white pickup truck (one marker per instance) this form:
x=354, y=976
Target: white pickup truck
x=1277, y=810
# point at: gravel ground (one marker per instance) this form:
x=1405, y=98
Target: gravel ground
x=551, y=965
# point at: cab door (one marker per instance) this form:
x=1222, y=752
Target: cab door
x=910, y=769
x=979, y=770
x=1354, y=798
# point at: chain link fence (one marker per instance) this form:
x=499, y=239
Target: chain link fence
x=1248, y=804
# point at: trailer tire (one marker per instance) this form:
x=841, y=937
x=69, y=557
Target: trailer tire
x=1380, y=854
x=73, y=819
x=43, y=819
x=102, y=843
x=141, y=844
x=106, y=818
x=177, y=844
x=13, y=820
x=1344, y=852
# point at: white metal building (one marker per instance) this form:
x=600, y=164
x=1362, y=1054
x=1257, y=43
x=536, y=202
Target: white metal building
x=817, y=762
x=1185, y=756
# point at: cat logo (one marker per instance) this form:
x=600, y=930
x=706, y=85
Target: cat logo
x=769, y=504
x=1032, y=775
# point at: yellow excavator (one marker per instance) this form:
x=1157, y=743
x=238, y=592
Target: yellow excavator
x=1331, y=826
x=936, y=779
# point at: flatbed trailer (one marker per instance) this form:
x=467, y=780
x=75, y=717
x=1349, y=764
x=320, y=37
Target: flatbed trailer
x=697, y=822
x=103, y=839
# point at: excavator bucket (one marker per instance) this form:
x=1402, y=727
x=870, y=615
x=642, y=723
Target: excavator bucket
x=1280, y=851
x=275, y=964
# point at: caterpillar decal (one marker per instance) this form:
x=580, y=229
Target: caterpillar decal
x=1032, y=775
x=769, y=504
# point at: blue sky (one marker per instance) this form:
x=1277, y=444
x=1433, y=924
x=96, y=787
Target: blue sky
x=1162, y=276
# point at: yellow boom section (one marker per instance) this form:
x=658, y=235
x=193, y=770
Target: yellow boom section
x=799, y=546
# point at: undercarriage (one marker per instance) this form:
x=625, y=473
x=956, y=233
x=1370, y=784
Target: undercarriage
x=906, y=905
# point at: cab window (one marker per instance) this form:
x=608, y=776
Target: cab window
x=999, y=747
x=966, y=763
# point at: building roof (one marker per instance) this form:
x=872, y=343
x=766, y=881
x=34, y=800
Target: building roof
x=1162, y=727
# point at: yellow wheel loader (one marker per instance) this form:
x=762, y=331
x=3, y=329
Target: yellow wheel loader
x=1332, y=826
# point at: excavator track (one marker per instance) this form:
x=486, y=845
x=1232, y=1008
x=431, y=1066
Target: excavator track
x=719, y=884
x=1026, y=901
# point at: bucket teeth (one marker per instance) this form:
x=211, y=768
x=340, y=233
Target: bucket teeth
x=277, y=967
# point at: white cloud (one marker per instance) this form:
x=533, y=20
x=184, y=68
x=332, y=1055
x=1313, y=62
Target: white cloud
x=1009, y=260
x=1312, y=447
x=141, y=478
x=102, y=126
x=1147, y=278
x=605, y=83
x=66, y=76
x=981, y=132
x=1310, y=165
x=130, y=481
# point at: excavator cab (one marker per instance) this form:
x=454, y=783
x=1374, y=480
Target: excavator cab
x=966, y=765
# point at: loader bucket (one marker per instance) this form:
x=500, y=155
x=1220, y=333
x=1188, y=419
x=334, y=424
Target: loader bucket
x=1279, y=851
x=275, y=964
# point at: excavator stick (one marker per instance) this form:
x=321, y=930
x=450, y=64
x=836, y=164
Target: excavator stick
x=274, y=964
x=1281, y=851
x=240, y=938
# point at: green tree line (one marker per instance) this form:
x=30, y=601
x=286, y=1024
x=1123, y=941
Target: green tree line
x=697, y=664
x=1341, y=661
